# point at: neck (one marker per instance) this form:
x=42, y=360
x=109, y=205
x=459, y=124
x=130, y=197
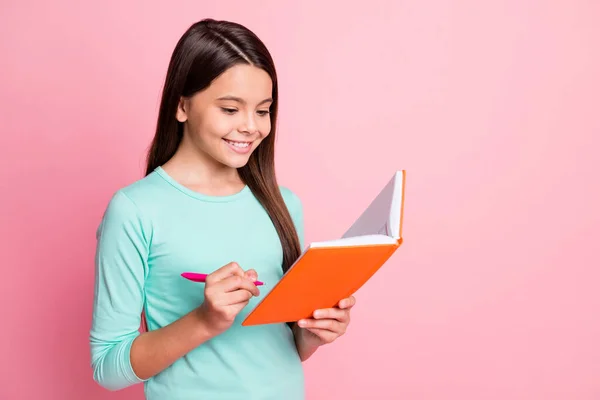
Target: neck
x=198, y=171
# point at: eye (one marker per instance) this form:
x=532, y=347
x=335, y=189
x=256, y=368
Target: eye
x=263, y=113
x=228, y=110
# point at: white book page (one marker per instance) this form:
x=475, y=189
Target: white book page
x=355, y=241
x=382, y=216
x=395, y=217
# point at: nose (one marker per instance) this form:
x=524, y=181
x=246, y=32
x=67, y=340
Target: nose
x=249, y=126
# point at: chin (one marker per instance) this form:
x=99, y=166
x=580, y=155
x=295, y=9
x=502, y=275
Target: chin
x=237, y=157
x=231, y=163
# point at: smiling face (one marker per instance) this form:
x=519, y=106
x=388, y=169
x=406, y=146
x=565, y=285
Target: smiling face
x=227, y=121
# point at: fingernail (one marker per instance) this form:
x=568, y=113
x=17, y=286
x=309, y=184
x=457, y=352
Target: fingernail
x=318, y=314
x=302, y=322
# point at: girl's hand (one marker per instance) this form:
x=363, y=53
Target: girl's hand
x=226, y=293
x=327, y=324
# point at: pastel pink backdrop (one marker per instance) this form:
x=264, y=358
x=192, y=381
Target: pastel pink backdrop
x=491, y=107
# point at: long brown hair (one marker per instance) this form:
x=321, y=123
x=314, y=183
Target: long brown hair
x=204, y=52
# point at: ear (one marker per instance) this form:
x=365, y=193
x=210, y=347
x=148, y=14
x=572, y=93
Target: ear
x=182, y=109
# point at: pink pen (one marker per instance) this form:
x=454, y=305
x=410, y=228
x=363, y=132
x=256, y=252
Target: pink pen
x=195, y=277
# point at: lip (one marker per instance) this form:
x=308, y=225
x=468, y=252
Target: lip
x=238, y=150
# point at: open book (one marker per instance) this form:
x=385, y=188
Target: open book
x=329, y=271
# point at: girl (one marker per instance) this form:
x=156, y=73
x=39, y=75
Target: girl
x=210, y=203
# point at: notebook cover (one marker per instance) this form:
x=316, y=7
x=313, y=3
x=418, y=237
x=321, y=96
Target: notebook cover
x=320, y=279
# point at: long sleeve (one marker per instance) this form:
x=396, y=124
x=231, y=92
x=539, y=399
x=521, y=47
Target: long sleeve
x=120, y=271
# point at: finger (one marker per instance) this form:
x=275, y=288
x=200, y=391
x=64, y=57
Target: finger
x=225, y=271
x=236, y=282
x=347, y=303
x=325, y=335
x=237, y=297
x=332, y=313
x=331, y=325
x=251, y=274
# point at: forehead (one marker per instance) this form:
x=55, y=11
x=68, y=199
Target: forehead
x=246, y=81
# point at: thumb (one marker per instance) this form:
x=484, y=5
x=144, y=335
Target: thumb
x=251, y=274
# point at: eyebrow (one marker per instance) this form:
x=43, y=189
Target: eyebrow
x=240, y=100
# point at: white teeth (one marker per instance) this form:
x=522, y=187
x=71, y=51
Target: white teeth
x=237, y=144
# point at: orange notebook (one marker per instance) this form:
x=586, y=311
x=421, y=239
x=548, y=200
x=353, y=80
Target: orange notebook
x=327, y=272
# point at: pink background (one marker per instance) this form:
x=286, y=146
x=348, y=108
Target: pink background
x=491, y=106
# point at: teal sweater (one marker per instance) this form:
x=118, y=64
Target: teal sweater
x=152, y=231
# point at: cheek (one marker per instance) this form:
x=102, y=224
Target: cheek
x=264, y=127
x=214, y=127
x=221, y=125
